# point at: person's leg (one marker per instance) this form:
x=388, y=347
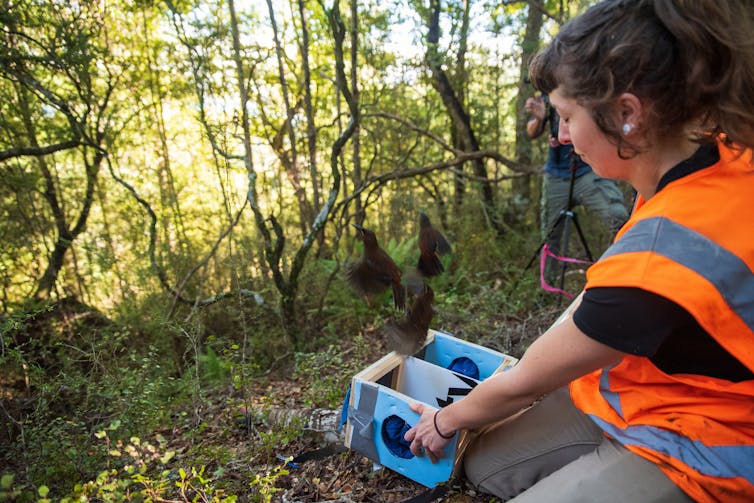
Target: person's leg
x=604, y=197
x=610, y=473
x=515, y=454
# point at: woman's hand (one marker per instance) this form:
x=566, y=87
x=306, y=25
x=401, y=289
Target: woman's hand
x=423, y=436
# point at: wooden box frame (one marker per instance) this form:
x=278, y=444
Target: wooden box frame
x=388, y=386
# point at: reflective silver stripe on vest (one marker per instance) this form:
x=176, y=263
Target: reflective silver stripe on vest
x=712, y=460
x=611, y=397
x=728, y=273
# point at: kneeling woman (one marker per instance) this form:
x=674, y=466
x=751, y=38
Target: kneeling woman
x=644, y=389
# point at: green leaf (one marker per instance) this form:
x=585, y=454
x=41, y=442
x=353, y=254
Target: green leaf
x=44, y=491
x=7, y=480
x=167, y=457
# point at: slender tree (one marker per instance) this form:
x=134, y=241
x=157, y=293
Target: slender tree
x=529, y=46
x=461, y=122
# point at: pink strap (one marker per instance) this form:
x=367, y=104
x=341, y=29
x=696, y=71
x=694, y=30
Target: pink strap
x=543, y=257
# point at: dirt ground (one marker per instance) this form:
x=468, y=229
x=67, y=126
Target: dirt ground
x=349, y=476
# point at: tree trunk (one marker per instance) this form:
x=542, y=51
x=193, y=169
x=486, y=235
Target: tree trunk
x=289, y=158
x=458, y=115
x=311, y=130
x=529, y=45
x=356, y=175
x=458, y=182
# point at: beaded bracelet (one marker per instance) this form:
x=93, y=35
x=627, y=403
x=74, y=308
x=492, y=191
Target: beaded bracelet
x=438, y=429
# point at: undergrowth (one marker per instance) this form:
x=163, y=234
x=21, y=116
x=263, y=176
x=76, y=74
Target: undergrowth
x=146, y=408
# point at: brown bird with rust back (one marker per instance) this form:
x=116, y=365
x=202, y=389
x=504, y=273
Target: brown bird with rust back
x=375, y=271
x=406, y=336
x=432, y=244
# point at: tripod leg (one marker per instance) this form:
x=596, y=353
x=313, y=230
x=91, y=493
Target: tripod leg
x=582, y=239
x=569, y=215
x=538, y=250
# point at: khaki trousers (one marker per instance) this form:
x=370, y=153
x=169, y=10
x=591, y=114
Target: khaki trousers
x=554, y=453
x=596, y=194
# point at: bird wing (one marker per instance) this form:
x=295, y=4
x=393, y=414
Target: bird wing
x=399, y=295
x=364, y=277
x=429, y=264
x=432, y=244
x=407, y=335
x=442, y=245
x=392, y=276
x=402, y=337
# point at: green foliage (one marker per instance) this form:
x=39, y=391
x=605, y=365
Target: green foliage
x=78, y=378
x=214, y=368
x=58, y=449
x=142, y=471
x=245, y=338
x=276, y=439
x=264, y=485
x=9, y=491
x=404, y=251
x=327, y=372
x=19, y=493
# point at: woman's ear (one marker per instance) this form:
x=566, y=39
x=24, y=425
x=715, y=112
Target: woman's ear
x=630, y=112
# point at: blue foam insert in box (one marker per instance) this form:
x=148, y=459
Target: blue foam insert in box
x=445, y=349
x=420, y=469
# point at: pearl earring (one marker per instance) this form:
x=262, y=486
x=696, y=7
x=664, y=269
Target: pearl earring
x=627, y=129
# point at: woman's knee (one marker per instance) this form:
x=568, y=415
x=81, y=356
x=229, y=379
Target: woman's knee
x=515, y=454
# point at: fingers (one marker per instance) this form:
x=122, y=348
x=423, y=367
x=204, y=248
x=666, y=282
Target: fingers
x=435, y=454
x=422, y=436
x=416, y=449
x=419, y=451
x=411, y=434
x=417, y=407
x=433, y=457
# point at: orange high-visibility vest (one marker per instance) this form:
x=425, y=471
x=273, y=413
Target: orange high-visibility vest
x=693, y=243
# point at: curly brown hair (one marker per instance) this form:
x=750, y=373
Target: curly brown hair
x=690, y=61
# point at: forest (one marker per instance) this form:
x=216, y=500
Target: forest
x=179, y=184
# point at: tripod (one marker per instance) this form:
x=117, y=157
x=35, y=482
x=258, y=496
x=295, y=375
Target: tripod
x=567, y=217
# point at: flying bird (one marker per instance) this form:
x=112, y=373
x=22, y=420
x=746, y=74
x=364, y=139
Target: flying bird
x=432, y=244
x=375, y=271
x=407, y=335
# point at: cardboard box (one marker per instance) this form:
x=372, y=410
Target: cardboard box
x=444, y=370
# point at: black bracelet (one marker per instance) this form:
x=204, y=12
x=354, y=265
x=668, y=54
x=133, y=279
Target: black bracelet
x=434, y=419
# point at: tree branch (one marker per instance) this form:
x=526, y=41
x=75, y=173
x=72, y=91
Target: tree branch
x=38, y=151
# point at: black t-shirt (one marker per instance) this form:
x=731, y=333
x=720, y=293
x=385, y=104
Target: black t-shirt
x=642, y=323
